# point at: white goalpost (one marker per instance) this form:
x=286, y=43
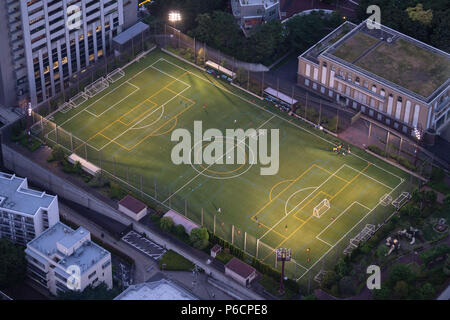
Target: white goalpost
x=115, y=75
x=321, y=208
x=96, y=87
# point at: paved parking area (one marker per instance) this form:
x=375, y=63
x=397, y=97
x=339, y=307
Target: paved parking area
x=144, y=245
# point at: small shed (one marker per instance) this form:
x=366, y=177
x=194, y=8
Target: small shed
x=132, y=207
x=215, y=250
x=240, y=271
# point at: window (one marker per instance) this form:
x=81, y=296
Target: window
x=92, y=274
x=330, y=93
x=357, y=80
x=322, y=89
x=307, y=82
x=314, y=86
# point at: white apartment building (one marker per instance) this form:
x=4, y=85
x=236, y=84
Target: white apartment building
x=42, y=49
x=62, y=259
x=24, y=213
x=250, y=13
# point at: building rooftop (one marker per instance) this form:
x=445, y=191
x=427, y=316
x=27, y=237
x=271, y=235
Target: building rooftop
x=85, y=255
x=178, y=219
x=132, y=204
x=239, y=267
x=130, y=33
x=15, y=195
x=266, y=3
x=162, y=289
x=384, y=53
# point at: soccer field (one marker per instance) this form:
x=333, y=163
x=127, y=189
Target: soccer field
x=126, y=129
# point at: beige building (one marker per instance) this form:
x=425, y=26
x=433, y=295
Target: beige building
x=395, y=79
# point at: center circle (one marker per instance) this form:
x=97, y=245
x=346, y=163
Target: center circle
x=231, y=173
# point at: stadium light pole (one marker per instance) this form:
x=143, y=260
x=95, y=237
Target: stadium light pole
x=174, y=17
x=283, y=255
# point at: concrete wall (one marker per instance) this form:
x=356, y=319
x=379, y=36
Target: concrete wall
x=25, y=167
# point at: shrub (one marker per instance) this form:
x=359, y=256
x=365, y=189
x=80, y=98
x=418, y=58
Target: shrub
x=179, y=230
x=199, y=238
x=57, y=154
x=166, y=224
x=115, y=191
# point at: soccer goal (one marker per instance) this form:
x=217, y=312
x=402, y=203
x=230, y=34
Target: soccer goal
x=385, y=200
x=401, y=200
x=115, y=75
x=78, y=99
x=66, y=107
x=96, y=87
x=321, y=208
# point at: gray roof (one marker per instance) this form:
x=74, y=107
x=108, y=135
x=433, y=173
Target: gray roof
x=130, y=33
x=14, y=196
x=85, y=256
x=162, y=289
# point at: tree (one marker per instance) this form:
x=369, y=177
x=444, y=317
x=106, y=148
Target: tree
x=417, y=13
x=400, y=272
x=401, y=290
x=57, y=153
x=179, y=230
x=13, y=264
x=100, y=292
x=329, y=279
x=199, y=238
x=446, y=267
x=384, y=293
x=166, y=224
x=346, y=286
x=426, y=291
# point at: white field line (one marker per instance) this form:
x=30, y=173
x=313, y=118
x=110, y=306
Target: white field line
x=362, y=173
x=356, y=224
x=231, y=150
x=300, y=203
x=328, y=244
x=82, y=142
x=148, y=125
x=87, y=106
x=337, y=218
x=289, y=199
x=278, y=116
x=145, y=117
x=169, y=75
x=113, y=105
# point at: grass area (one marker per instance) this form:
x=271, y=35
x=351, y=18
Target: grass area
x=174, y=262
x=354, y=47
x=408, y=65
x=128, y=130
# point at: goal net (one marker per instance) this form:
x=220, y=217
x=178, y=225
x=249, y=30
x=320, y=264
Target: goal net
x=401, y=200
x=115, y=75
x=321, y=208
x=96, y=87
x=364, y=235
x=78, y=99
x=385, y=200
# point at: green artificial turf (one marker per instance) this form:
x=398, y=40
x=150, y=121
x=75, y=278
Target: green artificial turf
x=128, y=132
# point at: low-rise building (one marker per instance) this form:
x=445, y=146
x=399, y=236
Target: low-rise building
x=133, y=207
x=162, y=289
x=240, y=271
x=62, y=259
x=250, y=13
x=24, y=213
x=396, y=80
